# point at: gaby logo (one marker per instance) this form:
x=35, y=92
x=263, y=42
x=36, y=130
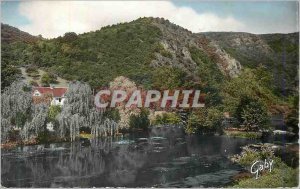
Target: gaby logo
x=150, y=98
x=259, y=166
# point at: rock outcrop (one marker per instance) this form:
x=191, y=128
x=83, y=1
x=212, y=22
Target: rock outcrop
x=177, y=41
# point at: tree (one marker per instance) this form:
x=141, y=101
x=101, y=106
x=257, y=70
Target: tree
x=140, y=121
x=8, y=75
x=204, y=120
x=69, y=37
x=254, y=114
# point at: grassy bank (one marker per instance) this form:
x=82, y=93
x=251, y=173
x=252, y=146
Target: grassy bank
x=281, y=174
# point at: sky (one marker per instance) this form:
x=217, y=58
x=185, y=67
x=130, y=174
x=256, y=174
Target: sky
x=54, y=18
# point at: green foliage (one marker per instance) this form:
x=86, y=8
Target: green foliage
x=140, y=121
x=168, y=78
x=278, y=45
x=280, y=176
x=69, y=37
x=255, y=114
x=112, y=114
x=208, y=71
x=9, y=74
x=47, y=137
x=20, y=119
x=292, y=118
x=43, y=137
x=252, y=113
x=210, y=76
x=167, y=118
x=123, y=49
x=54, y=110
x=48, y=79
x=34, y=83
x=247, y=85
x=286, y=177
x=32, y=71
x=159, y=48
x=243, y=134
x=204, y=120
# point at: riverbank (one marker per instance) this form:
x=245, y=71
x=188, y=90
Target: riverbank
x=13, y=144
x=243, y=134
x=279, y=175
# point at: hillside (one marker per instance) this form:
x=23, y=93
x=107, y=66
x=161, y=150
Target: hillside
x=11, y=34
x=134, y=50
x=148, y=50
x=238, y=73
x=277, y=52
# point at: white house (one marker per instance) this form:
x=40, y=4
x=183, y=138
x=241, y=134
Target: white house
x=57, y=93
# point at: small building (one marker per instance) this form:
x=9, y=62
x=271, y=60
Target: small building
x=54, y=95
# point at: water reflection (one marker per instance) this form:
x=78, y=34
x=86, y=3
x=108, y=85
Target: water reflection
x=165, y=157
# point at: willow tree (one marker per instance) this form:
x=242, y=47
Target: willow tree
x=18, y=112
x=79, y=111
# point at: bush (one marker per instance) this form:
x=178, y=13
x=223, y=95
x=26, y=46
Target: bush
x=167, y=118
x=112, y=114
x=32, y=71
x=140, y=121
x=205, y=120
x=48, y=79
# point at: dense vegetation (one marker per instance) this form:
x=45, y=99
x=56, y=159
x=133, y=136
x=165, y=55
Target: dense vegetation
x=96, y=57
x=127, y=49
x=120, y=56
x=279, y=53
x=281, y=175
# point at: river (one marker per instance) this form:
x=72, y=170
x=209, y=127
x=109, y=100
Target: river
x=164, y=157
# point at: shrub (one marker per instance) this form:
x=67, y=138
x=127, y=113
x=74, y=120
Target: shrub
x=204, y=120
x=167, y=118
x=140, y=121
x=32, y=71
x=34, y=83
x=112, y=114
x=47, y=79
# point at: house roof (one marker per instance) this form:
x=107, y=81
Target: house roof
x=56, y=91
